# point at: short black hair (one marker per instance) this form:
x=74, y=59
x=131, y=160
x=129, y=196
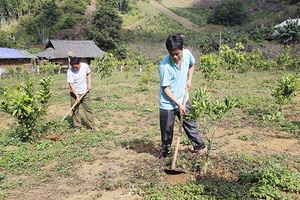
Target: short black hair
x=174, y=41
x=74, y=60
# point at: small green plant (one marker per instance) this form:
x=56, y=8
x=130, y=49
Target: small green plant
x=105, y=65
x=148, y=74
x=11, y=72
x=271, y=182
x=286, y=89
x=234, y=58
x=284, y=60
x=49, y=68
x=27, y=107
x=189, y=190
x=254, y=60
x=210, y=67
x=208, y=113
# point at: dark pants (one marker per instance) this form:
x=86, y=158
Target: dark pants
x=86, y=104
x=167, y=120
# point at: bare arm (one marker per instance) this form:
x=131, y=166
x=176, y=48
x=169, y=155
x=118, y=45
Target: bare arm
x=71, y=85
x=168, y=92
x=89, y=80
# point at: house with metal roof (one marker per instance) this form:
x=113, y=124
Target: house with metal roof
x=58, y=51
x=15, y=57
x=276, y=34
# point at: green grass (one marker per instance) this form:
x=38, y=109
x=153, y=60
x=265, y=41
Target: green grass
x=195, y=15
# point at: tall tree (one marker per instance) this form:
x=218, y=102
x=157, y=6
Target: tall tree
x=105, y=29
x=229, y=14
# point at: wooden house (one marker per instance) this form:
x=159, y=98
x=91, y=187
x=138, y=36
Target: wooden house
x=58, y=51
x=16, y=58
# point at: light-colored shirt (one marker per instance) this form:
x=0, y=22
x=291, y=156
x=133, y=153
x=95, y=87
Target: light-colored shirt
x=78, y=78
x=175, y=78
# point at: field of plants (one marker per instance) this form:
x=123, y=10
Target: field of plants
x=246, y=102
x=253, y=144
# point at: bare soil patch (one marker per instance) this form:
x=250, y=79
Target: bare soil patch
x=119, y=166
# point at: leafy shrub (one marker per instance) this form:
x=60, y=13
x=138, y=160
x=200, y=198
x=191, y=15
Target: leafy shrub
x=254, y=59
x=290, y=33
x=271, y=182
x=104, y=65
x=295, y=65
x=286, y=88
x=259, y=33
x=105, y=28
x=284, y=60
x=229, y=14
x=234, y=58
x=210, y=66
x=27, y=107
x=48, y=68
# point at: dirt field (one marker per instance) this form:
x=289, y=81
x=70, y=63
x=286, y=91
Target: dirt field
x=122, y=164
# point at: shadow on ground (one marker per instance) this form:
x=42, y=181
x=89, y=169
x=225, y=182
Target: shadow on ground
x=141, y=146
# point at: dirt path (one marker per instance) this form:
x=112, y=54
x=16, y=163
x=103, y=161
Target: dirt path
x=184, y=22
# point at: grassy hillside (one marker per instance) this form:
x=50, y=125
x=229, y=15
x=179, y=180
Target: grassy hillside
x=148, y=32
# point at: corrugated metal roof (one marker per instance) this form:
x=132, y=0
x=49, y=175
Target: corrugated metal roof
x=8, y=53
x=288, y=20
x=61, y=48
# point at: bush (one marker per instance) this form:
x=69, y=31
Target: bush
x=290, y=33
x=27, y=107
x=271, y=183
x=229, y=14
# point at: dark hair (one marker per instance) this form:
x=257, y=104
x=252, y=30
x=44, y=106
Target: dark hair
x=74, y=60
x=175, y=41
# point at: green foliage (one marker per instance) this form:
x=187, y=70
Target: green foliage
x=7, y=39
x=284, y=60
x=72, y=14
x=234, y=58
x=196, y=15
x=190, y=190
x=39, y=25
x=259, y=33
x=10, y=9
x=271, y=182
x=74, y=7
x=210, y=66
x=149, y=71
x=120, y=52
x=229, y=14
x=48, y=68
x=21, y=158
x=232, y=36
x=254, y=60
x=11, y=72
x=296, y=63
x=105, y=65
x=50, y=13
x=208, y=114
x=27, y=107
x=286, y=88
x=290, y=33
x=203, y=107
x=105, y=29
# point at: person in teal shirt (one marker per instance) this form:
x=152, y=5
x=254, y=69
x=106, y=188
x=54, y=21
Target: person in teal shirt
x=176, y=72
